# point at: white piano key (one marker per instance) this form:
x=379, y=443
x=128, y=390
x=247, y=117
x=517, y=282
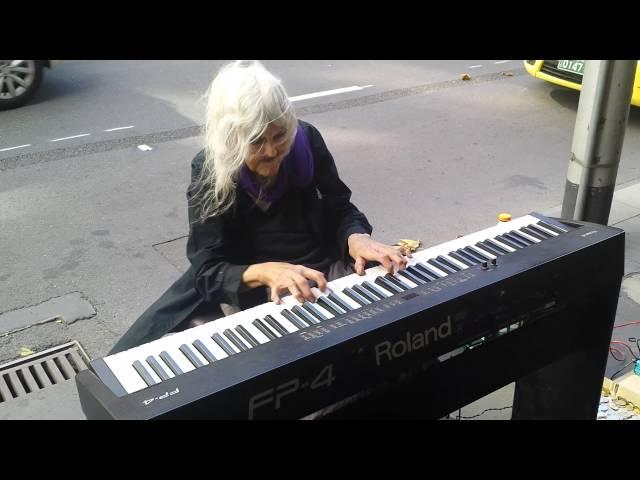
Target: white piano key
x=530, y=237
x=338, y=293
x=454, y=261
x=247, y=323
x=504, y=246
x=542, y=227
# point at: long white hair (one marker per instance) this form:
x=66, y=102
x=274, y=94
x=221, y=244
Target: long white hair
x=243, y=100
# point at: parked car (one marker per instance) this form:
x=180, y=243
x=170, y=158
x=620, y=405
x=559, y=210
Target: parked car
x=568, y=73
x=20, y=79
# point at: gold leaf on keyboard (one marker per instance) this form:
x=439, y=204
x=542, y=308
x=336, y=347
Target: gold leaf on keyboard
x=411, y=245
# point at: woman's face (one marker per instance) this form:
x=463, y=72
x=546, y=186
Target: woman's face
x=267, y=152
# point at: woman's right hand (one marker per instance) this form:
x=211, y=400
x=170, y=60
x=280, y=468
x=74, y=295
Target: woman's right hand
x=282, y=277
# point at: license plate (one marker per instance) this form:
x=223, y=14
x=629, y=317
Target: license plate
x=573, y=66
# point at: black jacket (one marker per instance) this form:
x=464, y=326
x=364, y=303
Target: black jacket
x=217, y=248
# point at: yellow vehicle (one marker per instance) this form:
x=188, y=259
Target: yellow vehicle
x=568, y=73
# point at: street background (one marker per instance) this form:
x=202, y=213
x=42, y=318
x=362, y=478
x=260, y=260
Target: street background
x=97, y=221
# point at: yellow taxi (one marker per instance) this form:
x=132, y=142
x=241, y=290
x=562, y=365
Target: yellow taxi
x=568, y=73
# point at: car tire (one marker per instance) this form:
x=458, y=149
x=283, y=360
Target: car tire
x=19, y=81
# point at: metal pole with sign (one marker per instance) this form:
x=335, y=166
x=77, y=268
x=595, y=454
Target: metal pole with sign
x=601, y=121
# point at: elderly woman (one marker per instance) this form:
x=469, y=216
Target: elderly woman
x=268, y=212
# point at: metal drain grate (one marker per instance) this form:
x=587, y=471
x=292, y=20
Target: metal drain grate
x=19, y=378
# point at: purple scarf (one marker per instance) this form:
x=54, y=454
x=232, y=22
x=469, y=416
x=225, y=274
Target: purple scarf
x=296, y=170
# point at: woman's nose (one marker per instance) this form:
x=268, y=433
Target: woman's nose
x=270, y=149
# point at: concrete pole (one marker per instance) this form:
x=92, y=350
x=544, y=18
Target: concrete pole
x=601, y=121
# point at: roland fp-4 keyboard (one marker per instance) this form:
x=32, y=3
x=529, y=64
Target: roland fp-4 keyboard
x=531, y=300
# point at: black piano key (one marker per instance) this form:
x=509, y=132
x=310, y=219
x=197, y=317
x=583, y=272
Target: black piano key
x=388, y=286
x=233, y=338
x=313, y=310
x=488, y=248
x=171, y=363
x=222, y=343
x=329, y=306
x=410, y=276
x=521, y=237
x=373, y=290
x=356, y=297
x=537, y=229
x=302, y=313
x=428, y=271
x=445, y=268
x=247, y=336
x=508, y=242
x=204, y=351
x=266, y=331
x=514, y=239
x=397, y=282
x=494, y=244
x=553, y=228
x=418, y=273
x=144, y=374
x=191, y=356
x=365, y=293
x=462, y=259
x=293, y=319
x=478, y=253
x=156, y=367
x=445, y=261
x=472, y=257
x=276, y=325
x=339, y=302
x=533, y=233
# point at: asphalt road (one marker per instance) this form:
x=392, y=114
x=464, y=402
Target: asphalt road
x=427, y=155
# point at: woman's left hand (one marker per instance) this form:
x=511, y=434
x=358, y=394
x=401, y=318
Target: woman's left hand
x=363, y=248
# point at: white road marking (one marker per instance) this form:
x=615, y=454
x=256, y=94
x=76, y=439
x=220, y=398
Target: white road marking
x=501, y=61
x=13, y=148
x=146, y=147
x=68, y=138
x=327, y=92
x=475, y=66
x=118, y=128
